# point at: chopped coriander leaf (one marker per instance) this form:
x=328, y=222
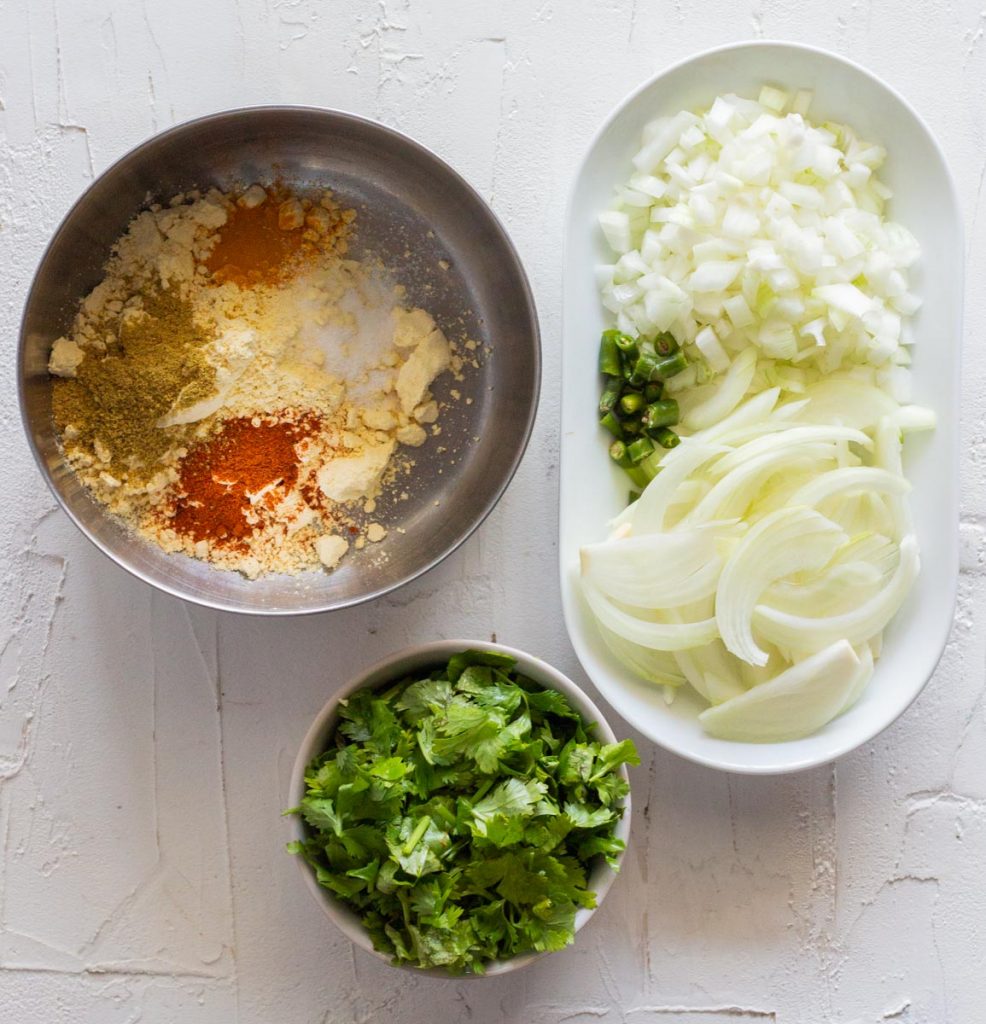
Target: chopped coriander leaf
x=459, y=813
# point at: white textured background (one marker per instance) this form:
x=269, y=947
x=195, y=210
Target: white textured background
x=145, y=744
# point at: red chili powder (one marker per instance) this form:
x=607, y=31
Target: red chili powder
x=216, y=478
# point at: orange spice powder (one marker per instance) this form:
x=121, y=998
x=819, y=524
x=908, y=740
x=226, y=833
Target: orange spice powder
x=266, y=243
x=212, y=499
x=256, y=245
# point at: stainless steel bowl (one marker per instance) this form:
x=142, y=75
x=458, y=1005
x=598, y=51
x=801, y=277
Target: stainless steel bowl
x=413, y=210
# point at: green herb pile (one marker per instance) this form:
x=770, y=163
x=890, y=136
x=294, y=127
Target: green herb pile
x=460, y=812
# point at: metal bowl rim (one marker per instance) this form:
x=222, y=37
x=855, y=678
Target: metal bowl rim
x=375, y=126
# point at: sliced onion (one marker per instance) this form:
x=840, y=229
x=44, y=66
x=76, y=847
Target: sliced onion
x=793, y=704
x=857, y=571
x=739, y=487
x=863, y=676
x=754, y=410
x=652, y=506
x=657, y=570
x=711, y=671
x=800, y=632
x=785, y=438
x=787, y=541
x=856, y=478
x=658, y=667
x=889, y=455
x=659, y=636
x=913, y=418
x=845, y=584
x=727, y=394
x=849, y=402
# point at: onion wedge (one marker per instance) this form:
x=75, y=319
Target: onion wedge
x=651, y=507
x=712, y=671
x=852, y=478
x=848, y=402
x=793, y=704
x=658, y=667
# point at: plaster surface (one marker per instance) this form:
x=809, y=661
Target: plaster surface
x=145, y=744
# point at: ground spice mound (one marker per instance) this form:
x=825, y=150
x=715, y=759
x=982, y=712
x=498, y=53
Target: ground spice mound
x=238, y=389
x=270, y=234
x=228, y=485
x=155, y=359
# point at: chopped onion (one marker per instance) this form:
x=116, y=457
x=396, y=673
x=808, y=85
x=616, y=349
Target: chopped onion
x=709, y=345
x=750, y=216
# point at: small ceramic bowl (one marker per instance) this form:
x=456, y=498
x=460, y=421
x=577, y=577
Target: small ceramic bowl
x=394, y=667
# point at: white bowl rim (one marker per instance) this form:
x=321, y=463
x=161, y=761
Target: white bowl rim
x=546, y=675
x=852, y=743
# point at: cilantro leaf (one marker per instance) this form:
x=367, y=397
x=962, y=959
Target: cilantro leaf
x=550, y=925
x=575, y=762
x=582, y=816
x=320, y=813
x=501, y=830
x=390, y=769
x=550, y=701
x=612, y=755
x=608, y=846
x=458, y=663
x=417, y=845
x=473, y=732
x=510, y=797
x=425, y=696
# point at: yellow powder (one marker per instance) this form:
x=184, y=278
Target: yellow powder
x=259, y=309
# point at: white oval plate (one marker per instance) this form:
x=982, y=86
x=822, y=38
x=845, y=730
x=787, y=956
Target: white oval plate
x=593, y=490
